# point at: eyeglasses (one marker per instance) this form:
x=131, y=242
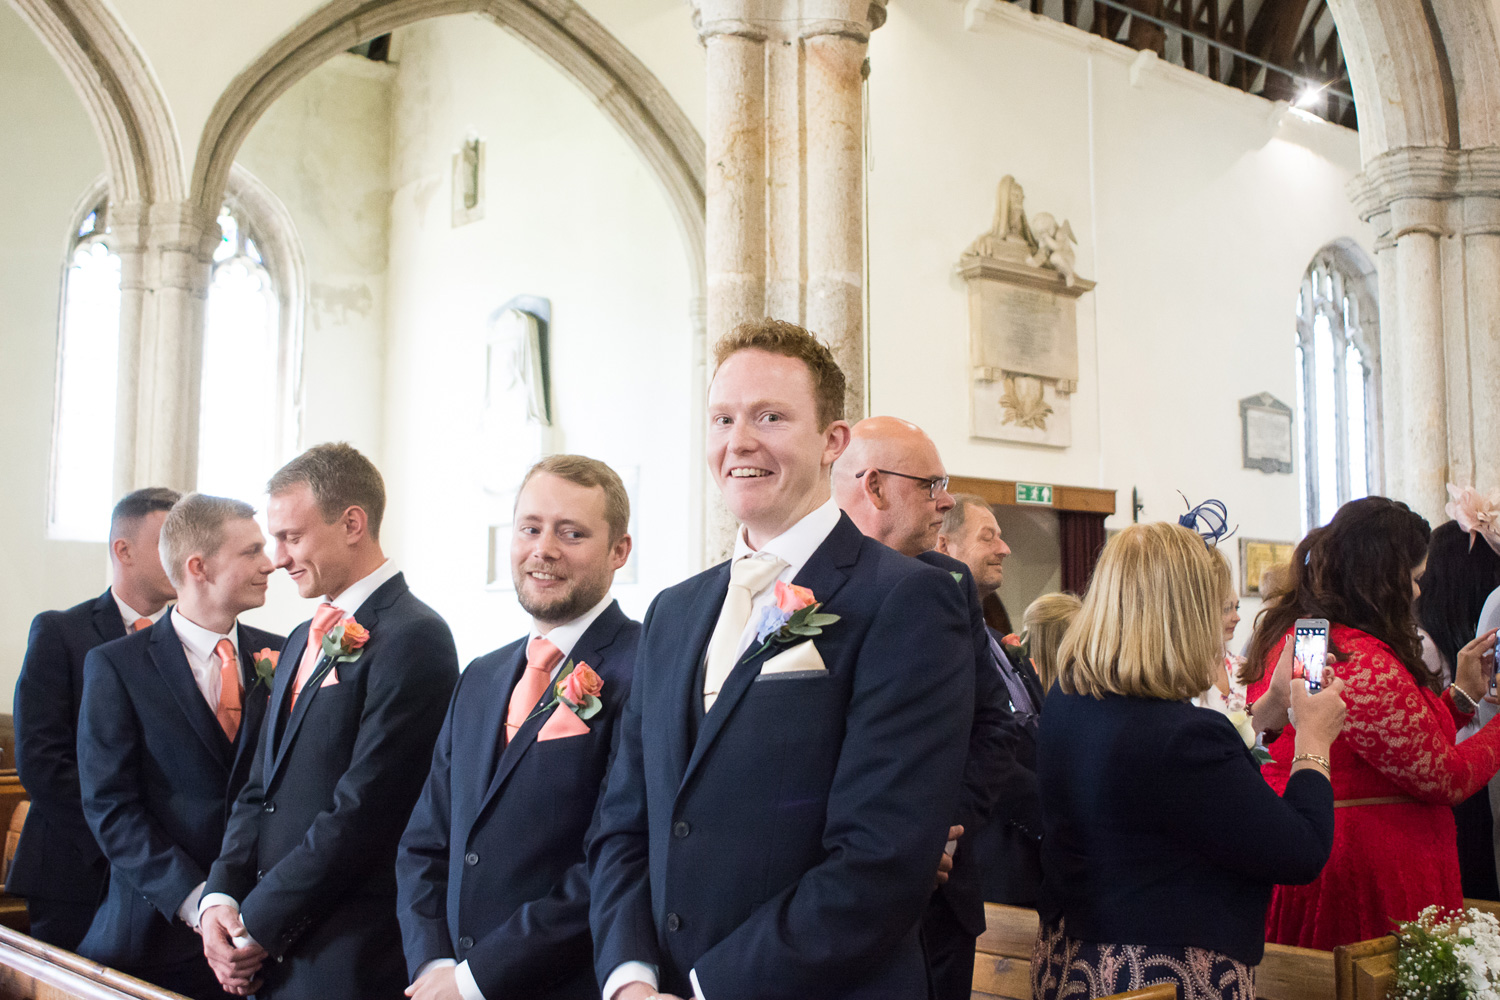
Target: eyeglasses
x=933, y=483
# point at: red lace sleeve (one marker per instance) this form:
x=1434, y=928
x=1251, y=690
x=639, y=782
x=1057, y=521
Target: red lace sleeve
x=1460, y=717
x=1398, y=731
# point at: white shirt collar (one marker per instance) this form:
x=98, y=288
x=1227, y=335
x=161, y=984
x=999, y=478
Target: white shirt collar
x=565, y=637
x=129, y=615
x=795, y=545
x=358, y=593
x=199, y=641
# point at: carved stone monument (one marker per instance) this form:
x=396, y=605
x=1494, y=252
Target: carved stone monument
x=1023, y=326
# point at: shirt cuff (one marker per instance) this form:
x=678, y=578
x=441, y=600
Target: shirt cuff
x=697, y=990
x=188, y=912
x=463, y=978
x=213, y=899
x=436, y=963
x=626, y=973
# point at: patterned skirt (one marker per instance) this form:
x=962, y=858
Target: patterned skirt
x=1064, y=968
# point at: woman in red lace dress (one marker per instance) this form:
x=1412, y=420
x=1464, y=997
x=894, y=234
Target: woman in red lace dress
x=1396, y=769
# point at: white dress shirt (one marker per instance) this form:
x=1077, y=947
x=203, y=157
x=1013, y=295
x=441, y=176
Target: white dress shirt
x=130, y=615
x=564, y=637
x=199, y=645
x=348, y=601
x=795, y=547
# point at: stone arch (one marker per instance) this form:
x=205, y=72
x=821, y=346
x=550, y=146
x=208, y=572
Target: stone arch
x=120, y=94
x=563, y=32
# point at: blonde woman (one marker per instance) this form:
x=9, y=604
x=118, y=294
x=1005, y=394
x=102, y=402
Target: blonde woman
x=1045, y=621
x=1162, y=841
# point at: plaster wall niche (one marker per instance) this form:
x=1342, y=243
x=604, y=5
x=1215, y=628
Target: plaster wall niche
x=1023, y=325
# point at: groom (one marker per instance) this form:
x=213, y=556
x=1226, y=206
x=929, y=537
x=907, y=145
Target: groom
x=780, y=800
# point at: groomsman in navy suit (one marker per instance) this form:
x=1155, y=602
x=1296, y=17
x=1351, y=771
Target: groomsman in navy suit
x=168, y=726
x=306, y=876
x=786, y=775
x=892, y=484
x=58, y=866
x=1009, y=848
x=493, y=883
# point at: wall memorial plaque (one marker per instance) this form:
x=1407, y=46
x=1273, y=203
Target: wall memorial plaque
x=1023, y=326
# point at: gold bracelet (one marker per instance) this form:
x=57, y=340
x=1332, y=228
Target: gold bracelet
x=1324, y=762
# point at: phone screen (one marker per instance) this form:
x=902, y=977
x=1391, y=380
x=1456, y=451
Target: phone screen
x=1310, y=653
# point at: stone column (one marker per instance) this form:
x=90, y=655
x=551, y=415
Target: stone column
x=166, y=253
x=1481, y=227
x=785, y=168
x=1421, y=353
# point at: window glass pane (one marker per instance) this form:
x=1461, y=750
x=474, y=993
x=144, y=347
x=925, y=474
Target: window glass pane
x=237, y=426
x=84, y=445
x=1354, y=375
x=1304, y=434
x=230, y=243
x=1327, y=428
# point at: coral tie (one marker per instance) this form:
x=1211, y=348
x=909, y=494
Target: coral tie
x=747, y=577
x=140, y=623
x=323, y=619
x=228, y=711
x=541, y=658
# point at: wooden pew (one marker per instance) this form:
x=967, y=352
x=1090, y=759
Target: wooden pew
x=1366, y=970
x=30, y=970
x=1002, y=963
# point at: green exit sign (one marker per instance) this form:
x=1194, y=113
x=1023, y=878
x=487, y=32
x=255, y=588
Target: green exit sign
x=1037, y=493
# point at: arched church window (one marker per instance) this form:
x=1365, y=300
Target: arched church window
x=83, y=438
x=251, y=374
x=1338, y=384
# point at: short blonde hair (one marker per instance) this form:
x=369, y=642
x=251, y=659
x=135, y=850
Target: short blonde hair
x=195, y=527
x=1045, y=621
x=580, y=470
x=1150, y=624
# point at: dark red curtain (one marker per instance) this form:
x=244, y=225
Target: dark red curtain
x=1082, y=538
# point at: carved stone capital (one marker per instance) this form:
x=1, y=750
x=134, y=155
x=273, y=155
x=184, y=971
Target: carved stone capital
x=785, y=20
x=1426, y=174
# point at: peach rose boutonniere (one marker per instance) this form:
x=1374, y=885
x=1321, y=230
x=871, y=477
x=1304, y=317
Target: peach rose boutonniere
x=345, y=642
x=265, y=666
x=578, y=687
x=792, y=618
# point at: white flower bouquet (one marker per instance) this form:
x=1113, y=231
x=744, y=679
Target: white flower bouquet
x=1453, y=956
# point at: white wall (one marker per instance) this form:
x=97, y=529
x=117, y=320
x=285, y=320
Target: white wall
x=1197, y=211
x=572, y=214
x=48, y=159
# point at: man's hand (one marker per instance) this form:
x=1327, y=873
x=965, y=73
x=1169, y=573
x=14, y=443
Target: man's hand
x=640, y=991
x=440, y=983
x=945, y=863
x=237, y=969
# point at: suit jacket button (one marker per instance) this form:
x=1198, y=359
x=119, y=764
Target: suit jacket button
x=465, y=942
x=674, y=922
x=680, y=829
x=471, y=858
x=269, y=807
x=260, y=873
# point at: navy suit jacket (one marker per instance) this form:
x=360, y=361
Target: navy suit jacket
x=158, y=777
x=788, y=848
x=57, y=857
x=1161, y=830
x=310, y=850
x=993, y=778
x=1009, y=849
x=491, y=869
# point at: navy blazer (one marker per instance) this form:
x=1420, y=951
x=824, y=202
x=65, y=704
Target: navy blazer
x=491, y=869
x=788, y=849
x=1009, y=849
x=158, y=776
x=57, y=857
x=1160, y=829
x=310, y=851
x=993, y=777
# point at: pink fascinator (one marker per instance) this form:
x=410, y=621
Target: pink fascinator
x=1478, y=515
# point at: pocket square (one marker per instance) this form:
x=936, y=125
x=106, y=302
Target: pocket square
x=331, y=678
x=801, y=657
x=562, y=722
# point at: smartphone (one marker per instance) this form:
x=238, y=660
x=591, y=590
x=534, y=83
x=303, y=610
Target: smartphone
x=1310, y=653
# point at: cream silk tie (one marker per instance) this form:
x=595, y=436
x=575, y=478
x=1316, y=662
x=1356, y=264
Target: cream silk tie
x=541, y=657
x=747, y=577
x=229, y=708
x=323, y=619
